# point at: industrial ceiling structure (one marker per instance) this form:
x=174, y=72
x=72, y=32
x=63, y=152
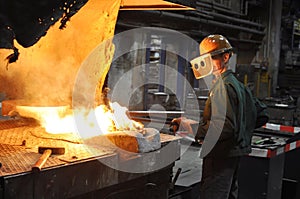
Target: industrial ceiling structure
x=257, y=29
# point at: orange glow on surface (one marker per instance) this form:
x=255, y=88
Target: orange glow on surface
x=151, y=5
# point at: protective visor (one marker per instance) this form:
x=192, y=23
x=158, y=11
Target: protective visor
x=202, y=66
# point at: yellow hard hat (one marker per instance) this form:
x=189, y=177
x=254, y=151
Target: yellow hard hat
x=214, y=44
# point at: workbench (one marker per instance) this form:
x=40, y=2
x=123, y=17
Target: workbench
x=82, y=172
x=264, y=173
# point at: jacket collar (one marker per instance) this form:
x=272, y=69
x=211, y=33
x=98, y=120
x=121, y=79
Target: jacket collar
x=226, y=73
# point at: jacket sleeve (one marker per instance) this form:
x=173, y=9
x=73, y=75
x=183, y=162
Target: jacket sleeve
x=204, y=124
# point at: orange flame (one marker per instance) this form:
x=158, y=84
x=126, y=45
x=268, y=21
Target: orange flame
x=107, y=121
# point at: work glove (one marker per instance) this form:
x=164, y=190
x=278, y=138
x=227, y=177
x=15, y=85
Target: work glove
x=183, y=124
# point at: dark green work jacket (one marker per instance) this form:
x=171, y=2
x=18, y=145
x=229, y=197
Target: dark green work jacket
x=228, y=119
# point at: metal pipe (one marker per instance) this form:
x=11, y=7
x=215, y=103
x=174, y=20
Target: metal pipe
x=246, y=8
x=211, y=22
x=269, y=85
x=213, y=4
x=258, y=84
x=245, y=40
x=203, y=15
x=199, y=33
x=231, y=12
x=234, y=19
x=201, y=4
x=241, y=5
x=269, y=29
x=221, y=5
x=194, y=32
x=246, y=80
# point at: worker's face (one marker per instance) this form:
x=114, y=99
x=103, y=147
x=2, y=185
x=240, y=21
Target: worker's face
x=219, y=63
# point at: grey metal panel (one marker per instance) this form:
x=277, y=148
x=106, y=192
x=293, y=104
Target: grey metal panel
x=276, y=168
x=61, y=182
x=261, y=177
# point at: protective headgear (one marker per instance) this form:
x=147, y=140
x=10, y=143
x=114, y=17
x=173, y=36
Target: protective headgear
x=210, y=46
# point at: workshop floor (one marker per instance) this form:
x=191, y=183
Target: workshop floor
x=187, y=184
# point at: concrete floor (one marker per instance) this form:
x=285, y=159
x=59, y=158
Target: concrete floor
x=187, y=184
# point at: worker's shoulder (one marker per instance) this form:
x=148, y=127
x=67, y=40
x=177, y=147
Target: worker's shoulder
x=232, y=81
x=233, y=85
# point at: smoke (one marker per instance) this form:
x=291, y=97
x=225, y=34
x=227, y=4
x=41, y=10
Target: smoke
x=45, y=73
x=41, y=74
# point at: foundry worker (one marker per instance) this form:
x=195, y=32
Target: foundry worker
x=227, y=124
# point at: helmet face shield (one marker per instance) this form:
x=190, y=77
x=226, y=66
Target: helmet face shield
x=202, y=66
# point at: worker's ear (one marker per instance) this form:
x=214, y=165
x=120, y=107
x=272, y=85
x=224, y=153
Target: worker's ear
x=226, y=57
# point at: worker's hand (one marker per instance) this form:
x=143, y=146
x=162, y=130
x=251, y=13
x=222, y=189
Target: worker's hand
x=184, y=124
x=199, y=141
